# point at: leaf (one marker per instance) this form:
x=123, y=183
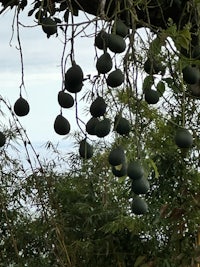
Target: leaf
x=161, y=88
x=139, y=261
x=154, y=167
x=148, y=82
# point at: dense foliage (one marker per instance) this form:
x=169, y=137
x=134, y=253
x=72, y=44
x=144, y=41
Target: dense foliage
x=143, y=107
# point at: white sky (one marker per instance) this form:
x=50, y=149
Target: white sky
x=42, y=59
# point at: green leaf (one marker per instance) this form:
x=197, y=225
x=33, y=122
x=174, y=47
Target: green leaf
x=148, y=82
x=154, y=167
x=161, y=87
x=139, y=261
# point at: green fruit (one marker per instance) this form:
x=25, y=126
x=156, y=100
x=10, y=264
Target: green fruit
x=91, y=124
x=122, y=125
x=183, y=138
x=98, y=107
x=49, y=26
x=61, y=125
x=196, y=52
x=74, y=79
x=116, y=43
x=135, y=170
x=140, y=186
x=116, y=156
x=102, y=128
x=115, y=78
x=152, y=66
x=101, y=40
x=21, y=107
x=85, y=149
x=120, y=170
x=195, y=89
x=139, y=206
x=104, y=63
x=65, y=100
x=151, y=96
x=190, y=75
x=120, y=28
x=2, y=139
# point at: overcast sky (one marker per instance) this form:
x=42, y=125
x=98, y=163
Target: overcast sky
x=42, y=59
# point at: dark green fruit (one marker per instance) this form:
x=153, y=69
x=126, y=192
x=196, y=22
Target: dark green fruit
x=135, y=170
x=2, y=139
x=49, y=26
x=190, y=75
x=122, y=125
x=116, y=43
x=98, y=107
x=183, y=138
x=152, y=66
x=74, y=79
x=21, y=107
x=139, y=206
x=65, y=100
x=104, y=63
x=116, y=156
x=120, y=170
x=101, y=40
x=196, y=52
x=151, y=96
x=120, y=28
x=115, y=78
x=140, y=186
x=102, y=128
x=85, y=149
x=91, y=124
x=61, y=125
x=195, y=89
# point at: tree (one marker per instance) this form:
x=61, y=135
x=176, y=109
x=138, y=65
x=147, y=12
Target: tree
x=143, y=104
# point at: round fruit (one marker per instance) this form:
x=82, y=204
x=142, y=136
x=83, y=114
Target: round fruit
x=152, y=66
x=139, y=206
x=61, y=125
x=21, y=107
x=102, y=128
x=91, y=124
x=74, y=79
x=2, y=139
x=151, y=96
x=101, y=40
x=196, y=52
x=190, y=75
x=115, y=78
x=49, y=26
x=65, y=100
x=116, y=43
x=183, y=138
x=116, y=156
x=140, y=186
x=98, y=107
x=122, y=125
x=104, y=63
x=135, y=170
x=120, y=28
x=85, y=149
x=120, y=170
x=195, y=89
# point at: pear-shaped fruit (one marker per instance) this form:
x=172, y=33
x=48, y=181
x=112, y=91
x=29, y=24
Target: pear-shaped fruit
x=120, y=28
x=122, y=125
x=101, y=40
x=135, y=170
x=91, y=124
x=102, y=127
x=2, y=139
x=74, y=79
x=139, y=206
x=98, y=107
x=183, y=138
x=115, y=78
x=116, y=156
x=190, y=75
x=120, y=170
x=65, y=100
x=49, y=26
x=104, y=63
x=21, y=107
x=140, y=186
x=151, y=96
x=85, y=149
x=116, y=43
x=153, y=66
x=61, y=125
